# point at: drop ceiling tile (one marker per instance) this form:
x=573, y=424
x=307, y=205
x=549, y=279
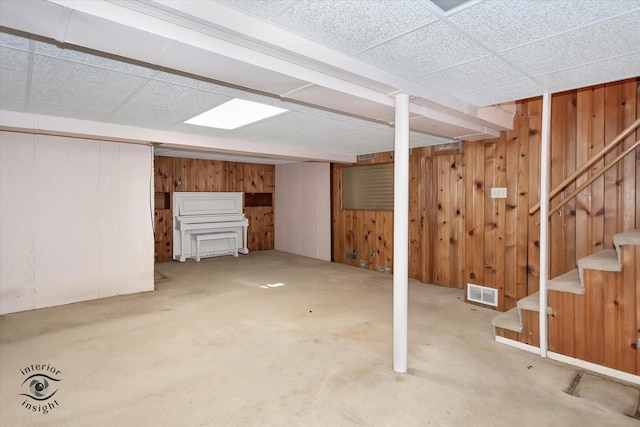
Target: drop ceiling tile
x=14, y=66
x=12, y=104
x=509, y=92
x=73, y=54
x=607, y=39
x=14, y=41
x=57, y=81
x=140, y=122
x=432, y=48
x=622, y=67
x=474, y=75
x=352, y=26
x=67, y=111
x=505, y=24
x=170, y=103
x=264, y=9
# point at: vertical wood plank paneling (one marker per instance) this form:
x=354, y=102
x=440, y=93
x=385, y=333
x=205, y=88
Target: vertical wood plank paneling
x=490, y=212
x=388, y=240
x=339, y=231
x=522, y=209
x=569, y=210
x=613, y=124
x=163, y=236
x=596, y=219
x=457, y=236
x=511, y=221
x=594, y=316
x=474, y=212
x=584, y=135
x=630, y=319
x=415, y=243
x=500, y=217
x=580, y=326
x=533, y=255
x=628, y=166
x=426, y=210
x=443, y=228
x=610, y=313
x=558, y=142
x=163, y=174
x=368, y=226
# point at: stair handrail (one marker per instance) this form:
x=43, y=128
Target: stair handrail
x=575, y=192
x=582, y=169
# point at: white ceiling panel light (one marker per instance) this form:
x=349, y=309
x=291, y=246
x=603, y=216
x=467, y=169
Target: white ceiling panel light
x=234, y=114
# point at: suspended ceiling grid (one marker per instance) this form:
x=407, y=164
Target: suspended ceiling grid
x=482, y=53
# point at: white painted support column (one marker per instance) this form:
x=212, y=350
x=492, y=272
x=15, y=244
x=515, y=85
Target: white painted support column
x=401, y=233
x=544, y=222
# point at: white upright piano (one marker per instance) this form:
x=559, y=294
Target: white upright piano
x=208, y=213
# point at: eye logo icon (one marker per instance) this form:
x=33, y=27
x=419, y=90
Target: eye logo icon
x=39, y=387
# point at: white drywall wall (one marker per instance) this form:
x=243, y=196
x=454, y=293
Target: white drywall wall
x=303, y=209
x=75, y=220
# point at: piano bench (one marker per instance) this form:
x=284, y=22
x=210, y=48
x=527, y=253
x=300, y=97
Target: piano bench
x=198, y=238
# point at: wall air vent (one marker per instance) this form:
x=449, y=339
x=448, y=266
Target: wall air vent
x=482, y=295
x=447, y=147
x=366, y=156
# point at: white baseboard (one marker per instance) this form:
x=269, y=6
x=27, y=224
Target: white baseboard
x=599, y=369
x=518, y=344
x=614, y=373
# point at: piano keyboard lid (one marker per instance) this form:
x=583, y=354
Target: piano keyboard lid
x=206, y=203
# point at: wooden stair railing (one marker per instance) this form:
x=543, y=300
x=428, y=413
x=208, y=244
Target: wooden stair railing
x=582, y=169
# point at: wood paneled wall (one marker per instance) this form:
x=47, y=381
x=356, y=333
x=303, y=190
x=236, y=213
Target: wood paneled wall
x=436, y=221
x=502, y=239
x=465, y=236
x=177, y=174
x=600, y=326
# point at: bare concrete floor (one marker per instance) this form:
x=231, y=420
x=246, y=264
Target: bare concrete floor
x=211, y=347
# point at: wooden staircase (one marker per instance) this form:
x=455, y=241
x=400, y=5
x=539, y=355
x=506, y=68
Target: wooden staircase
x=594, y=310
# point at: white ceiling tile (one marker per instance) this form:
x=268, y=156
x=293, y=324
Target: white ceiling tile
x=12, y=104
x=352, y=26
x=474, y=75
x=509, y=92
x=13, y=69
x=622, y=67
x=137, y=121
x=73, y=54
x=607, y=39
x=505, y=24
x=68, y=111
x=170, y=103
x=264, y=9
x=424, y=51
x=14, y=41
x=56, y=81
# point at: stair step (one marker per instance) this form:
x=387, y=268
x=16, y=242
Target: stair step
x=509, y=320
x=532, y=303
x=568, y=282
x=605, y=260
x=631, y=237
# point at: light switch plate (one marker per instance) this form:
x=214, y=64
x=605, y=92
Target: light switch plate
x=499, y=193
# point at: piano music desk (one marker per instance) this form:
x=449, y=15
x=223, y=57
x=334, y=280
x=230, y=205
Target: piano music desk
x=198, y=238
